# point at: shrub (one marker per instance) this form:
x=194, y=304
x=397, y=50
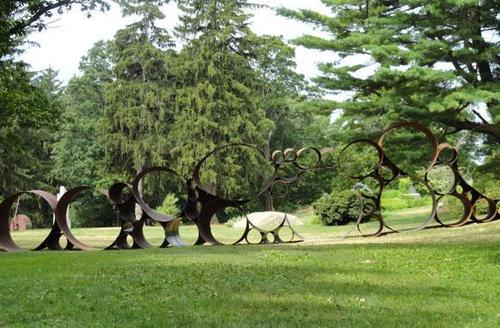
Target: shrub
x=488, y=185
x=338, y=208
x=316, y=220
x=169, y=206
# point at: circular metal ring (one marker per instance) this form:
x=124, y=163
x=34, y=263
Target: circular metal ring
x=6, y=241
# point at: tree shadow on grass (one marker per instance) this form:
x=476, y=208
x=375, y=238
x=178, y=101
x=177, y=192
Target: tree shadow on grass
x=344, y=285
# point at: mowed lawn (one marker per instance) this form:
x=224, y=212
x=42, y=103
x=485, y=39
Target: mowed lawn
x=429, y=278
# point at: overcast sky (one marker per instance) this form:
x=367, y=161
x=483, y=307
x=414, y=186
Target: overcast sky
x=70, y=37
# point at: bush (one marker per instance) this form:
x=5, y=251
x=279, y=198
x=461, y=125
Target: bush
x=338, y=208
x=488, y=185
x=169, y=206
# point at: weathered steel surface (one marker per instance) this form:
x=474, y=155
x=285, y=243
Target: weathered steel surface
x=6, y=242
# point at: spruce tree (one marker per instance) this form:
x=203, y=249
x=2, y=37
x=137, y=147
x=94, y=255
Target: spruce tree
x=215, y=101
x=138, y=112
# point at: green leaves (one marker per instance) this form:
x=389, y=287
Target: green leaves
x=78, y=153
x=22, y=17
x=30, y=108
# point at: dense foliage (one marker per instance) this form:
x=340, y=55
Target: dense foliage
x=339, y=208
x=138, y=99
x=170, y=205
x=432, y=61
x=215, y=96
x=30, y=108
x=151, y=97
x=436, y=62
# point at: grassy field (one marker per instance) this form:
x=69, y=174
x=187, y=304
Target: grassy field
x=311, y=230
x=434, y=277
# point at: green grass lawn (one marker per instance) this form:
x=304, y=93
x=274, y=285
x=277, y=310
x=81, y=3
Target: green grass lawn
x=434, y=277
x=312, y=230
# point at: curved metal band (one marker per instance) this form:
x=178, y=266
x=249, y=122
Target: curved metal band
x=6, y=241
x=369, y=142
x=138, y=198
x=415, y=125
x=197, y=174
x=62, y=209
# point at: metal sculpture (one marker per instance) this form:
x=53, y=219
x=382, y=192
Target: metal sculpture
x=6, y=242
x=202, y=204
x=385, y=172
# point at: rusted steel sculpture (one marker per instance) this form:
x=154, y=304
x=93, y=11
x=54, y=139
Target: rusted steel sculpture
x=6, y=242
x=384, y=171
x=203, y=204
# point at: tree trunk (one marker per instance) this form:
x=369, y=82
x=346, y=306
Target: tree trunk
x=269, y=202
x=478, y=43
x=493, y=130
x=268, y=197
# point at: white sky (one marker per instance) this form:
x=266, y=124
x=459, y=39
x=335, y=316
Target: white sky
x=67, y=39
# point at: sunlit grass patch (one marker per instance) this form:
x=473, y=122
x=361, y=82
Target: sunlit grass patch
x=434, y=277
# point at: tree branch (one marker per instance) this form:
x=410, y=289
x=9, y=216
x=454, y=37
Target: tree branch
x=480, y=116
x=490, y=129
x=20, y=26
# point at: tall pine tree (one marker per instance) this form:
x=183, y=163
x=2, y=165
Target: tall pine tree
x=433, y=61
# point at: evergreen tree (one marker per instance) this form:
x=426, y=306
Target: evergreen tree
x=138, y=111
x=433, y=61
x=216, y=103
